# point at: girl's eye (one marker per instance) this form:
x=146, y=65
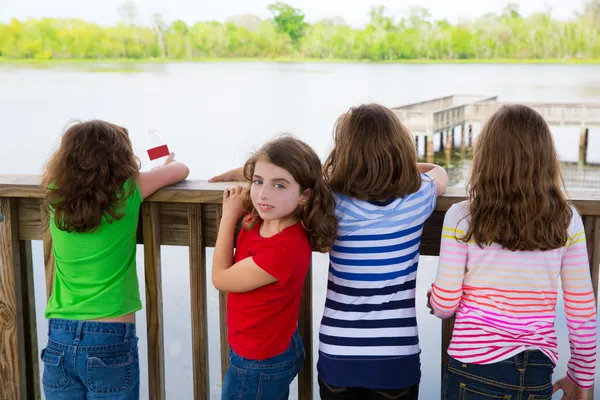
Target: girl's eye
x=257, y=182
x=279, y=186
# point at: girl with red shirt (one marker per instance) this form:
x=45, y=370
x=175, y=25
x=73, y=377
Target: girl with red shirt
x=290, y=213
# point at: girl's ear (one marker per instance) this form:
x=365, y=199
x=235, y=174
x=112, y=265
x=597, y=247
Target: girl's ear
x=305, y=196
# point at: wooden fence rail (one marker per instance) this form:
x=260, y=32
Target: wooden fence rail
x=186, y=214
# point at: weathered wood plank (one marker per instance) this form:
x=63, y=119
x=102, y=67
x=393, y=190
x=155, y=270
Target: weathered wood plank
x=198, y=303
x=49, y=260
x=154, y=308
x=587, y=201
x=30, y=219
x=592, y=233
x=13, y=380
x=305, y=327
x=432, y=234
x=29, y=321
x=222, y=311
x=447, y=328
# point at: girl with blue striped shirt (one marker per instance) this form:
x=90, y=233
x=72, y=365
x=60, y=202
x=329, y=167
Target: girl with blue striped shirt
x=368, y=339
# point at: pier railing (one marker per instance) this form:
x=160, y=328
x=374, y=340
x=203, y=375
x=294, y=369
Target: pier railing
x=186, y=214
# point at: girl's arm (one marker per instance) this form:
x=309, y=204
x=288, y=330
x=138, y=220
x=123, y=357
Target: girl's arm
x=437, y=173
x=580, y=310
x=169, y=173
x=232, y=175
x=245, y=275
x=446, y=291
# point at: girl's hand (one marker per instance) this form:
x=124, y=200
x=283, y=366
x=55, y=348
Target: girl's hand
x=233, y=207
x=229, y=176
x=429, y=302
x=570, y=390
x=170, y=159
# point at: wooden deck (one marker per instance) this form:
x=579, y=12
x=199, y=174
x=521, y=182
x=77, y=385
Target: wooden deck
x=186, y=214
x=439, y=114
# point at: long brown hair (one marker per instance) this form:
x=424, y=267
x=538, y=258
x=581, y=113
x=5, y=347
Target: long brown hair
x=514, y=190
x=300, y=160
x=374, y=155
x=85, y=177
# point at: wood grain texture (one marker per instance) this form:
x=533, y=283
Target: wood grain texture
x=12, y=367
x=154, y=307
x=49, y=260
x=198, y=303
x=222, y=312
x=29, y=324
x=200, y=191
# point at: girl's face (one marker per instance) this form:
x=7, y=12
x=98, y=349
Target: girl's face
x=275, y=194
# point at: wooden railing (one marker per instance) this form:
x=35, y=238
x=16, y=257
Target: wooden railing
x=186, y=214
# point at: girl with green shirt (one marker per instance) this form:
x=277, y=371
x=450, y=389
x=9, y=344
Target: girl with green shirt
x=94, y=193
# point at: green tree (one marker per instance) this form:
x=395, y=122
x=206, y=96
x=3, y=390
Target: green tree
x=289, y=20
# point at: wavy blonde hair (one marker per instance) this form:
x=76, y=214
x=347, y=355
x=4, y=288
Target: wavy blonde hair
x=514, y=190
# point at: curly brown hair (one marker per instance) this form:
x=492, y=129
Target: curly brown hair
x=300, y=160
x=85, y=177
x=514, y=190
x=374, y=155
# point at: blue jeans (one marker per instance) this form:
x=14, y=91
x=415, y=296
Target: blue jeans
x=91, y=360
x=263, y=380
x=526, y=376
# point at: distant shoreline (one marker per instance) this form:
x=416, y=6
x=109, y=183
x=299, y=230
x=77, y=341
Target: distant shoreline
x=26, y=61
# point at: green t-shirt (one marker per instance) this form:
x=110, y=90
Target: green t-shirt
x=96, y=271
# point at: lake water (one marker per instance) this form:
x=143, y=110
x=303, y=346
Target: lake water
x=213, y=115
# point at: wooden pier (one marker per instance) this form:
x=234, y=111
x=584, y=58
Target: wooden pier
x=186, y=214
x=441, y=115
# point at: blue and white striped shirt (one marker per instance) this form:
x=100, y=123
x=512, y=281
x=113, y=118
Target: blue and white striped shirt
x=368, y=334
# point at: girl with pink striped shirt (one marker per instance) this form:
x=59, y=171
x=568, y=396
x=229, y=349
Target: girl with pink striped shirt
x=502, y=254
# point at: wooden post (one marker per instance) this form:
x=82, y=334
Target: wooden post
x=429, y=148
x=470, y=135
x=583, y=145
x=29, y=321
x=417, y=144
x=592, y=232
x=154, y=309
x=462, y=138
x=447, y=327
x=222, y=315
x=441, y=140
x=49, y=262
x=449, y=141
x=18, y=350
x=305, y=378
x=198, y=303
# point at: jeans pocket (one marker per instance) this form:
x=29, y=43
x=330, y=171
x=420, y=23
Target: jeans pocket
x=468, y=391
x=112, y=372
x=54, y=372
x=276, y=385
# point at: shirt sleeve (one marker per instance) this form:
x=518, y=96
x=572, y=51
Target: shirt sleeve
x=580, y=306
x=431, y=191
x=447, y=289
x=274, y=258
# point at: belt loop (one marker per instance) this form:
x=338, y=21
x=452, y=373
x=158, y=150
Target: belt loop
x=129, y=331
x=78, y=330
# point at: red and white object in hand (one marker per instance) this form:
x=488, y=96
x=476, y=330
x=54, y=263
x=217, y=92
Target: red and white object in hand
x=158, y=150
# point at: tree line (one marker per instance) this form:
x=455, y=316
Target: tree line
x=416, y=35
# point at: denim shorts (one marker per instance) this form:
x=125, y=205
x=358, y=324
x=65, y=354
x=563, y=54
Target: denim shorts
x=93, y=360
x=266, y=379
x=526, y=376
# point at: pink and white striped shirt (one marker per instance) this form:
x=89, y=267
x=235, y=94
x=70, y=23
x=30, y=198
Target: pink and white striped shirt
x=505, y=300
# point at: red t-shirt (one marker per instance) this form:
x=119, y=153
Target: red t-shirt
x=261, y=322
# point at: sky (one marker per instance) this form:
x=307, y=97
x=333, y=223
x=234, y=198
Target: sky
x=353, y=11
